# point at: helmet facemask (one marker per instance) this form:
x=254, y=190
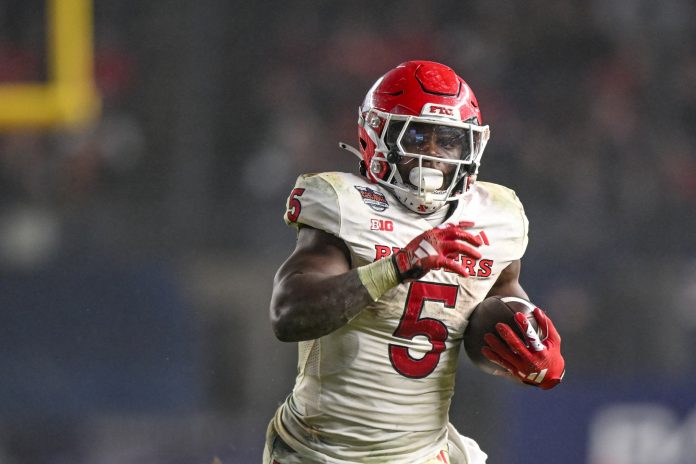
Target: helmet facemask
x=429, y=159
x=420, y=99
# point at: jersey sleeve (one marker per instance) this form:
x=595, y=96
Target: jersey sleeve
x=314, y=202
x=513, y=220
x=524, y=225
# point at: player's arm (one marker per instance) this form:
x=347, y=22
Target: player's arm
x=314, y=291
x=508, y=283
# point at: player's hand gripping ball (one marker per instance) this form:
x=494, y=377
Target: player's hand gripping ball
x=511, y=336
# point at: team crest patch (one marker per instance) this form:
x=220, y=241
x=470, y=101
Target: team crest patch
x=373, y=198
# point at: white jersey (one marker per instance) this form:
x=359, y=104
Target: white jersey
x=379, y=388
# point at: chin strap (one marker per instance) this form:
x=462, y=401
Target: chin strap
x=351, y=149
x=469, y=181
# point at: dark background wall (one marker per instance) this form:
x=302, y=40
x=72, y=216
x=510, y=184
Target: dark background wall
x=137, y=252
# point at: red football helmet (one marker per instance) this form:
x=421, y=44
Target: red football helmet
x=421, y=111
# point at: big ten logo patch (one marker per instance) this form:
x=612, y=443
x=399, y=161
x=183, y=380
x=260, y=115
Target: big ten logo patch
x=381, y=224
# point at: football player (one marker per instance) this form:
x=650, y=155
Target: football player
x=387, y=268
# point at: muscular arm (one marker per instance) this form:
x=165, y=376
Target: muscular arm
x=315, y=291
x=508, y=283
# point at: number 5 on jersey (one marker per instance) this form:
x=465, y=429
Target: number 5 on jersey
x=412, y=325
x=294, y=205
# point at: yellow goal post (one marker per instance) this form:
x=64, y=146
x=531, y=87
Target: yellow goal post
x=69, y=96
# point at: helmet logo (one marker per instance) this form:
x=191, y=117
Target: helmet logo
x=442, y=110
x=430, y=109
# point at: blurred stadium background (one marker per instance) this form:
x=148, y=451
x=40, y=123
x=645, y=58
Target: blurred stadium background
x=142, y=190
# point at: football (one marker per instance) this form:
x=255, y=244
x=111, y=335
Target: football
x=483, y=319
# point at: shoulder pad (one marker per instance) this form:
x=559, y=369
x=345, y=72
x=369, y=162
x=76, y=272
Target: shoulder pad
x=314, y=202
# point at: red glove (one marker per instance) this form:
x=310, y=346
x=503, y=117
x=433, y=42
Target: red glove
x=537, y=363
x=434, y=249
